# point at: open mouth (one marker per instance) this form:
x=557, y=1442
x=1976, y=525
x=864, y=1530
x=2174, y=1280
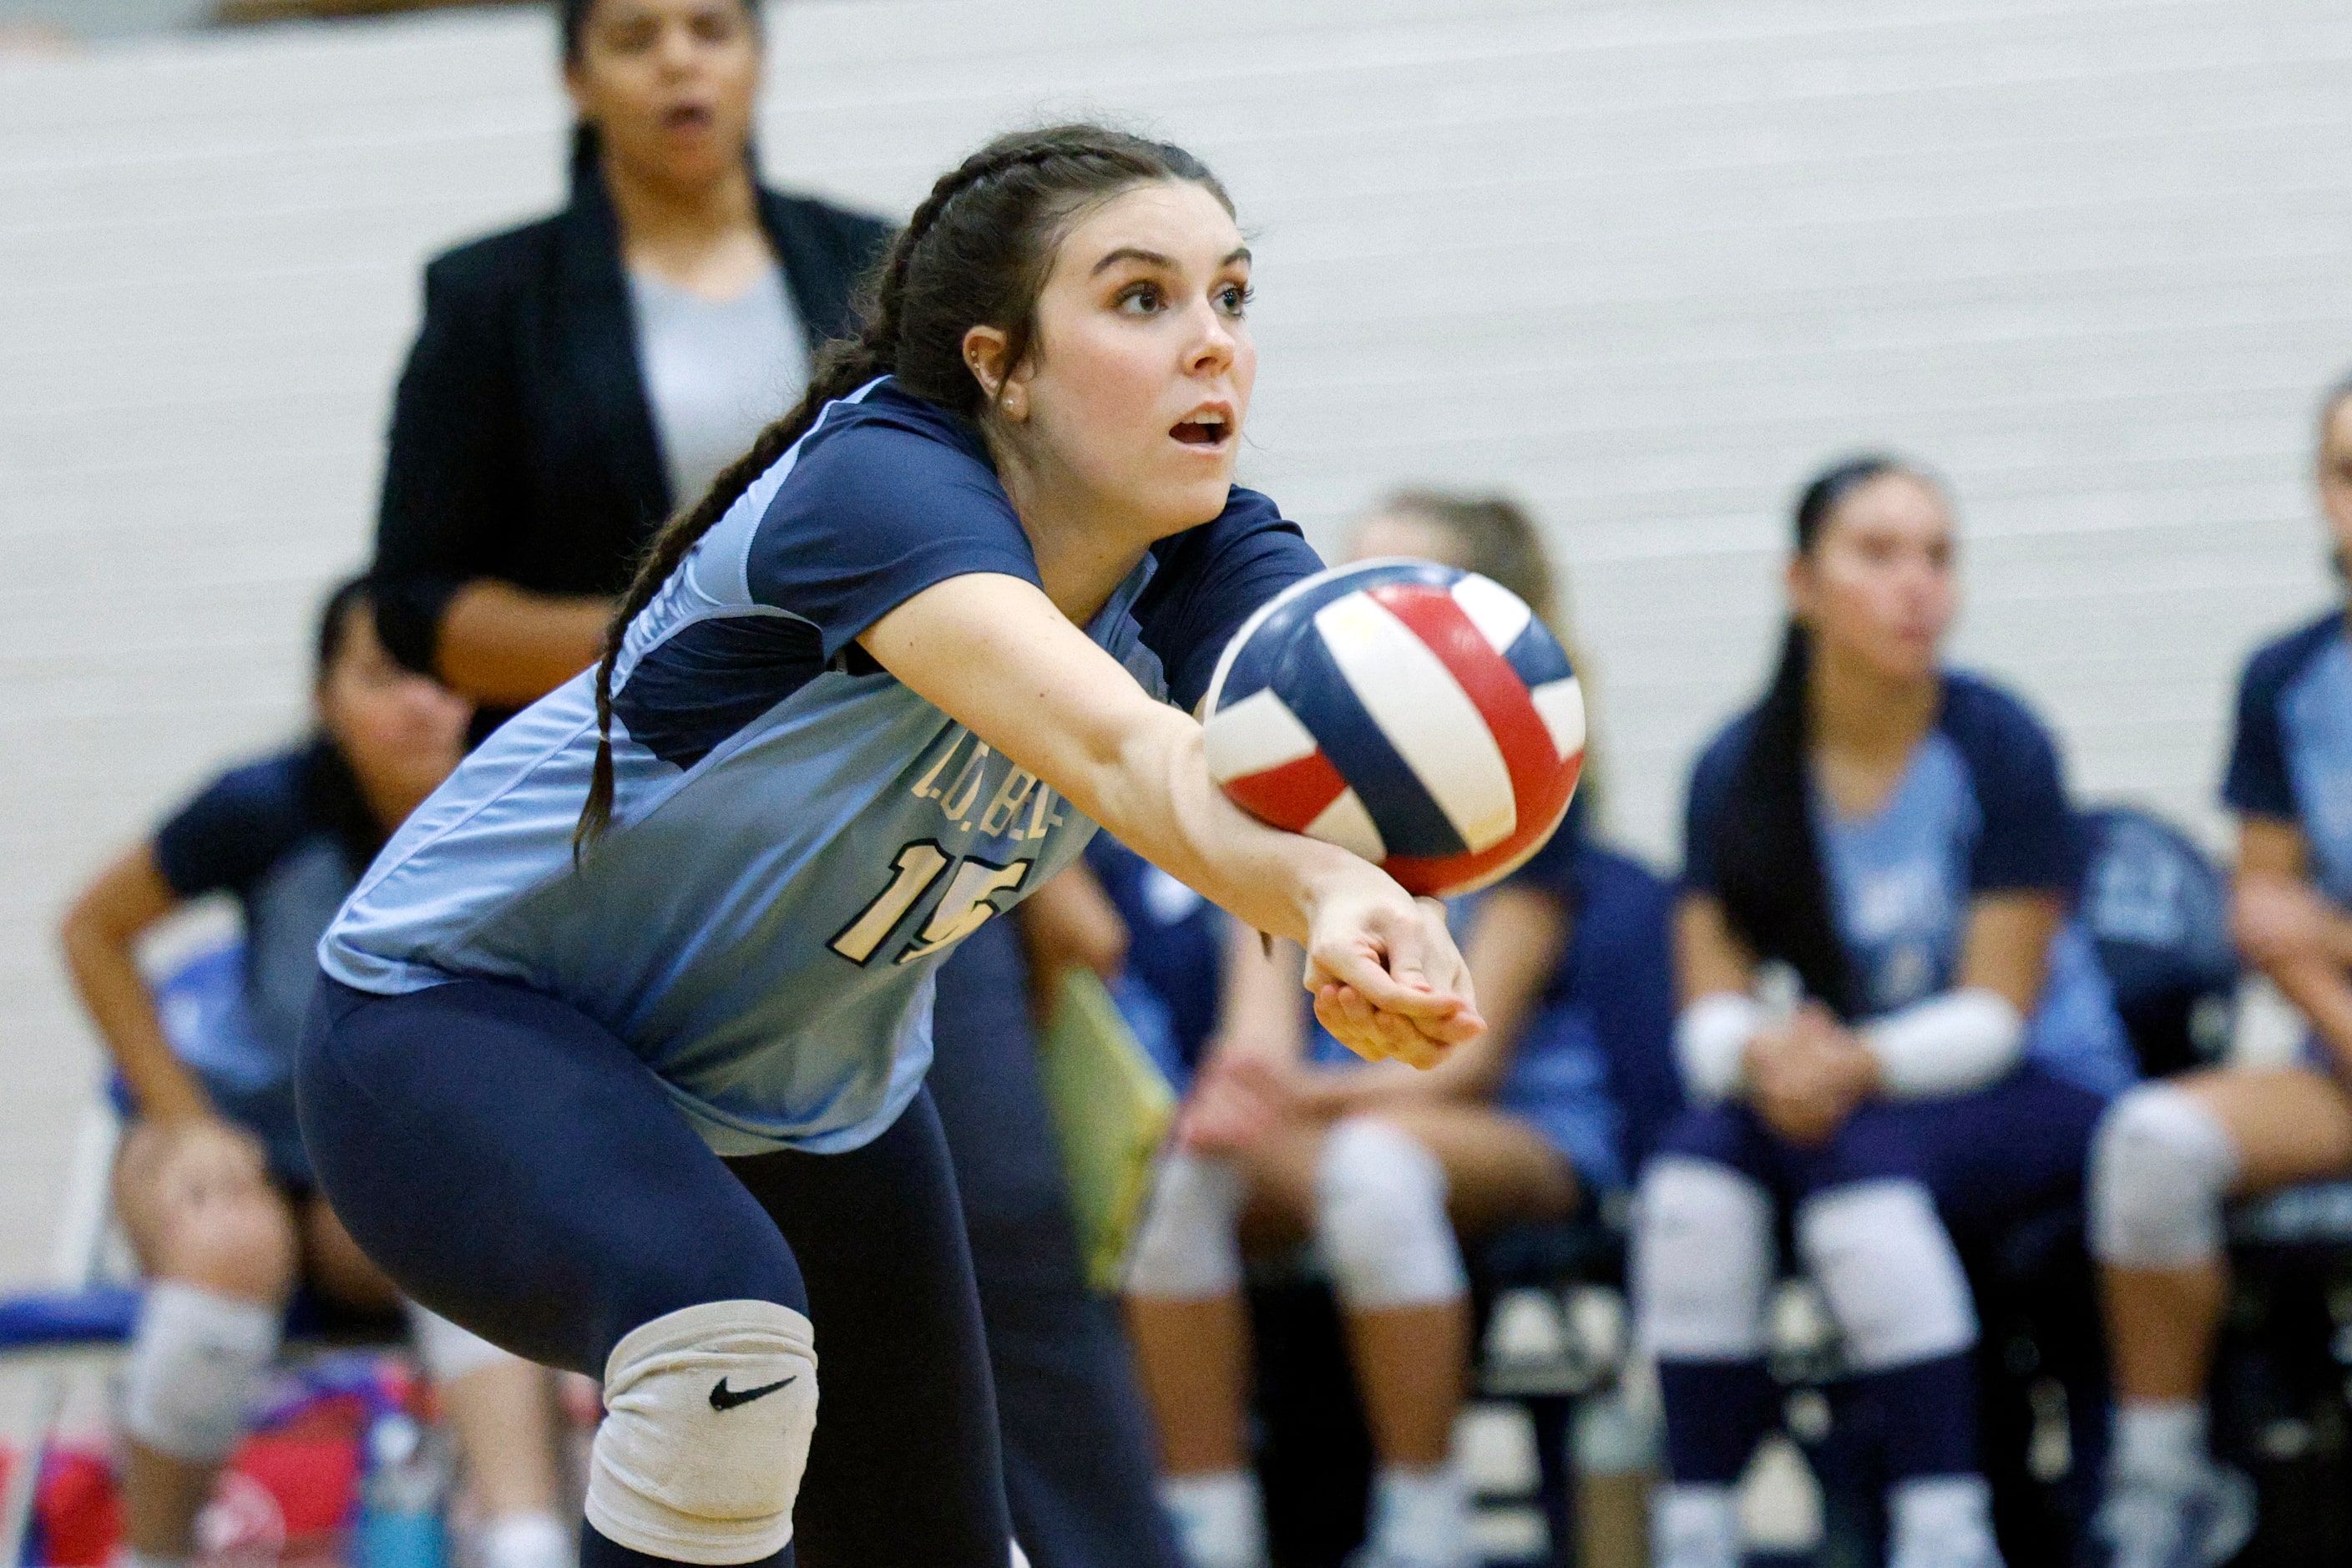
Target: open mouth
x=686, y=116
x=1205, y=429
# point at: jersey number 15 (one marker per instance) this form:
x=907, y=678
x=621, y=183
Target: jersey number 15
x=962, y=910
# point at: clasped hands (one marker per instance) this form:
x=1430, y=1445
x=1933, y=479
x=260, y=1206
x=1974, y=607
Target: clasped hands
x=1804, y=1078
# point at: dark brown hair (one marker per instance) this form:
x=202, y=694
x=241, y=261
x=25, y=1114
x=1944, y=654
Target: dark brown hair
x=975, y=253
x=571, y=24
x=1768, y=854
x=329, y=784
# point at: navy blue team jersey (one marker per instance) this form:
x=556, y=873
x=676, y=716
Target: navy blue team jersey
x=1981, y=808
x=797, y=838
x=258, y=833
x=1596, y=1069
x=2291, y=759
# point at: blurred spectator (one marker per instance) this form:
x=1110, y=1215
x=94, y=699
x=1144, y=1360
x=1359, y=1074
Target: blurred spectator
x=1283, y=1139
x=213, y=1186
x=572, y=382
x=576, y=379
x=2171, y=1152
x=1888, y=844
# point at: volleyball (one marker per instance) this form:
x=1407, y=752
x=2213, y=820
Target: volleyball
x=1418, y=715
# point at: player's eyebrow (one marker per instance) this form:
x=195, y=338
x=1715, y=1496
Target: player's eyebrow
x=1153, y=258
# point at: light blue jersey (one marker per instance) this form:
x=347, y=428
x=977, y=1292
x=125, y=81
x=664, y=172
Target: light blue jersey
x=1979, y=809
x=797, y=839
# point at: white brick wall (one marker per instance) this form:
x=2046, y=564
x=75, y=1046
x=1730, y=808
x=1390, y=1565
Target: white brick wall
x=1644, y=262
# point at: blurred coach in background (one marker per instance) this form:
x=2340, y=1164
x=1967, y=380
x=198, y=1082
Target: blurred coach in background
x=577, y=379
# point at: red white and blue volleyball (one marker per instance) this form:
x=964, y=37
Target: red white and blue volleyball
x=1418, y=715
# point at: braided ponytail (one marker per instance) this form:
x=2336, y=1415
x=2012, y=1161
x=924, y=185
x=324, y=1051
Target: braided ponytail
x=976, y=252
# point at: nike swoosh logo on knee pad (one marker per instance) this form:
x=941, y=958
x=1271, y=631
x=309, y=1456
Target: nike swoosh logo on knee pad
x=725, y=1398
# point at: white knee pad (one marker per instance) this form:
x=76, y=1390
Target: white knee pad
x=708, y=1412
x=1882, y=1256
x=1702, y=1261
x=447, y=1352
x=2159, y=1167
x=196, y=1360
x=1379, y=1219
x=1186, y=1249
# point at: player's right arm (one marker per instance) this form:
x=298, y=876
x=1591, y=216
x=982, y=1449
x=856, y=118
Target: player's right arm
x=100, y=933
x=993, y=651
x=451, y=493
x=2283, y=925
x=2291, y=933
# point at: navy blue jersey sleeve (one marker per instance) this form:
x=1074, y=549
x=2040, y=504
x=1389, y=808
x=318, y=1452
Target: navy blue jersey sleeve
x=2030, y=838
x=1622, y=960
x=235, y=829
x=1710, y=789
x=1553, y=868
x=1209, y=580
x=895, y=499
x=2258, y=783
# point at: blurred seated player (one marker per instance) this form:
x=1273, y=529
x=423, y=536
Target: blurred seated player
x=1282, y=1141
x=2171, y=1152
x=1167, y=971
x=212, y=1184
x=1897, y=835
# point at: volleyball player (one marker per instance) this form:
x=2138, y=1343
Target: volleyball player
x=215, y=1189
x=1895, y=834
x=618, y=1055
x=2169, y=1152
x=1282, y=1139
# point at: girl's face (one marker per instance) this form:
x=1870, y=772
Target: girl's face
x=2335, y=473
x=1877, y=584
x=1386, y=534
x=401, y=732
x=669, y=85
x=1138, y=372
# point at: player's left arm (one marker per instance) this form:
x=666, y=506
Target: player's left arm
x=1513, y=947
x=2279, y=921
x=2021, y=875
x=992, y=651
x=2007, y=949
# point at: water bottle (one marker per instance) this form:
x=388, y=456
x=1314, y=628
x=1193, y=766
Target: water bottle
x=400, y=1523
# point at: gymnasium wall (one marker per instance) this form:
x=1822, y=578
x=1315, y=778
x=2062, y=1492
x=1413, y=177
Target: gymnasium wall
x=1642, y=262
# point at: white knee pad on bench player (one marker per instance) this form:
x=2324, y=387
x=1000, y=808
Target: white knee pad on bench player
x=709, y=1414
x=447, y=1352
x=2160, y=1166
x=1380, y=1218
x=196, y=1359
x=1881, y=1254
x=1186, y=1249
x=1702, y=1260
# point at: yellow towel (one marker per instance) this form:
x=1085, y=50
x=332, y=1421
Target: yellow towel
x=1111, y=1109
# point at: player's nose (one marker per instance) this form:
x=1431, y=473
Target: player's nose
x=1213, y=346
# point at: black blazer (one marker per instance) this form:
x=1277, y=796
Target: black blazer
x=523, y=443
